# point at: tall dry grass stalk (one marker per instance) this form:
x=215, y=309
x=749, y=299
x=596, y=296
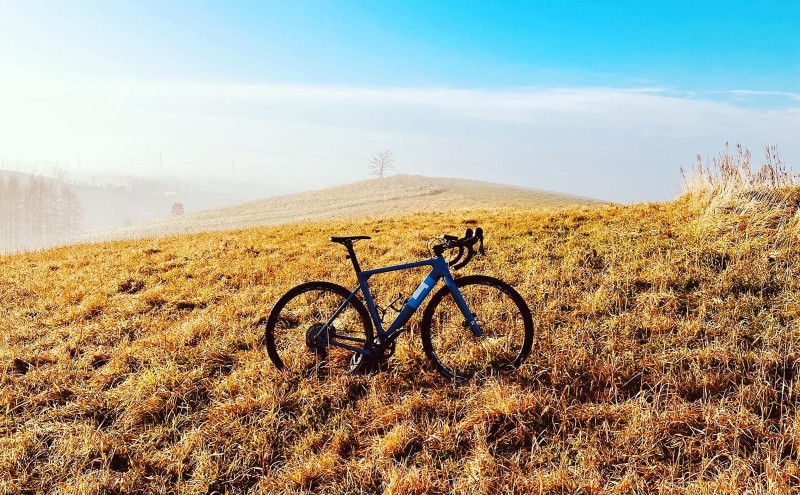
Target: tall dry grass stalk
x=730, y=179
x=733, y=193
x=732, y=171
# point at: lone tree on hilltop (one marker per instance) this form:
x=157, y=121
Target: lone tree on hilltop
x=381, y=163
x=177, y=209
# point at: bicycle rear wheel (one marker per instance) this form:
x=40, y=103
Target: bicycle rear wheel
x=501, y=313
x=304, y=327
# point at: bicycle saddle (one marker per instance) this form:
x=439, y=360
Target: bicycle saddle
x=349, y=238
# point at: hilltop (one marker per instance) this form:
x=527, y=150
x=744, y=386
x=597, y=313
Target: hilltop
x=374, y=198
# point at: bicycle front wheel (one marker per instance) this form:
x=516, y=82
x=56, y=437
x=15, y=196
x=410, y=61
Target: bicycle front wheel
x=501, y=313
x=314, y=327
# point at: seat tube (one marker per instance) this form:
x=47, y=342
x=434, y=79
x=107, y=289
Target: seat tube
x=352, y=254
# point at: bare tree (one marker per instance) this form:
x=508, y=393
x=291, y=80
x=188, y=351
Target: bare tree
x=381, y=163
x=177, y=209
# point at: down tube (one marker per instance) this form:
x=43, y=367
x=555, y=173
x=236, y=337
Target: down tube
x=414, y=301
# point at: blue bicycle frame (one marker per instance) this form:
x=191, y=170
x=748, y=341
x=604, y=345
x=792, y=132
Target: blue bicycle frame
x=439, y=270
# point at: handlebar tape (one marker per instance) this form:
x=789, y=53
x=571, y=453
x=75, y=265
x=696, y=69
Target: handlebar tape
x=458, y=257
x=470, y=254
x=465, y=247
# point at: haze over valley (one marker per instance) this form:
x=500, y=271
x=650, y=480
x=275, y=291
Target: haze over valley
x=100, y=202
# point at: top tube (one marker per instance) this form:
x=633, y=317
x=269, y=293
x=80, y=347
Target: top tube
x=404, y=266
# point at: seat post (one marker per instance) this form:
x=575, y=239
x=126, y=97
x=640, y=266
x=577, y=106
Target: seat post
x=352, y=255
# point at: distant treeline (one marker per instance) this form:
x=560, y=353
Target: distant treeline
x=36, y=212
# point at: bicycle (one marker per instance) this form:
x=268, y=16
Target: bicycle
x=321, y=324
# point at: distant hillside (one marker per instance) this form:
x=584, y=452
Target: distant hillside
x=110, y=207
x=370, y=198
x=113, y=202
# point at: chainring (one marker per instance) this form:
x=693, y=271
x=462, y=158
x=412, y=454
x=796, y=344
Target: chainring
x=379, y=362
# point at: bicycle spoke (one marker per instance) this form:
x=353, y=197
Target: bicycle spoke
x=458, y=352
x=307, y=326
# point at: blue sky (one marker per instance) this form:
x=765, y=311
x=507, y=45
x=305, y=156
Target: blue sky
x=689, y=46
x=490, y=90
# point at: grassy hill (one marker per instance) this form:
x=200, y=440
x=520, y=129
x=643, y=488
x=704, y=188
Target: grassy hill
x=665, y=360
x=374, y=198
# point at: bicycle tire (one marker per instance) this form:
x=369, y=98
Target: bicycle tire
x=315, y=353
x=437, y=332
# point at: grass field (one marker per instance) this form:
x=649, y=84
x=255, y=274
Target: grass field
x=665, y=360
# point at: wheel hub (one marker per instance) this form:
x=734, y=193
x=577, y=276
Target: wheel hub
x=318, y=344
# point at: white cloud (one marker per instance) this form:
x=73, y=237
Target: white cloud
x=612, y=143
x=750, y=92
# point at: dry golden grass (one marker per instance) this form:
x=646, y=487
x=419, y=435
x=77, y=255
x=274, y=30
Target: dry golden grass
x=665, y=361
